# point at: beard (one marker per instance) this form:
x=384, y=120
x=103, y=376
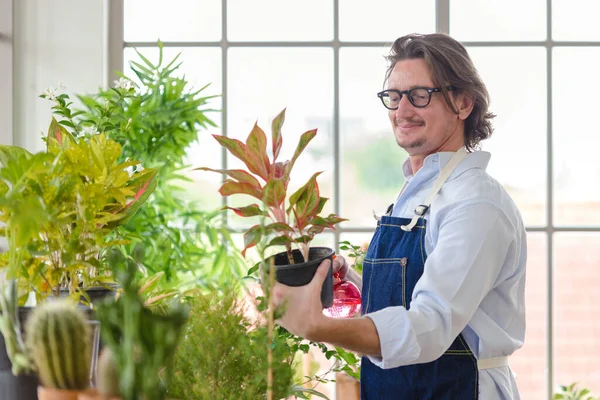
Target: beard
x=416, y=143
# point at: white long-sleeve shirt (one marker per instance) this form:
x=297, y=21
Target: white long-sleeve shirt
x=474, y=276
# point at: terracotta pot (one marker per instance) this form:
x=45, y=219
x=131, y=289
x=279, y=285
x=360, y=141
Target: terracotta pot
x=57, y=394
x=94, y=395
x=346, y=387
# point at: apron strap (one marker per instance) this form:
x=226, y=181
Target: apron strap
x=437, y=185
x=492, y=362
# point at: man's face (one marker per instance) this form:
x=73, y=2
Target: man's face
x=422, y=131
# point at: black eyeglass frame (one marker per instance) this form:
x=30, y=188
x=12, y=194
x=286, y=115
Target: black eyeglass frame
x=401, y=93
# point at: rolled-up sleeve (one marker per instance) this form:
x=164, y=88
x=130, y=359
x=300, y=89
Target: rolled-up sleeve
x=473, y=245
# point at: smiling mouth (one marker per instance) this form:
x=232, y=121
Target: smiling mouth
x=409, y=125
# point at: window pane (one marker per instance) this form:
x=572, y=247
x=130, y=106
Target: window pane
x=476, y=20
x=262, y=82
x=576, y=138
x=201, y=66
x=575, y=20
x=529, y=362
x=276, y=20
x=516, y=81
x=576, y=327
x=371, y=161
x=178, y=20
x=360, y=23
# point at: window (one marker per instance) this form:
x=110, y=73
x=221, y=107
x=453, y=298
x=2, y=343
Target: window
x=323, y=60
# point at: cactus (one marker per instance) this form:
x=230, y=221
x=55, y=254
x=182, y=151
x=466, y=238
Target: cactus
x=58, y=338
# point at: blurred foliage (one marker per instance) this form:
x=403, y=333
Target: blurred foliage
x=156, y=121
x=571, y=392
x=223, y=355
x=142, y=341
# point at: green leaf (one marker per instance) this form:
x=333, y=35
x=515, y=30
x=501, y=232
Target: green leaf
x=145, y=59
x=297, y=390
x=12, y=153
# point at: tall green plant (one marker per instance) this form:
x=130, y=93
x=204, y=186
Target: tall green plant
x=142, y=342
x=156, y=121
x=223, y=356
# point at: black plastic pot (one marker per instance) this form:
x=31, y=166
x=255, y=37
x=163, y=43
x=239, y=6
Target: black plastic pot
x=22, y=387
x=301, y=273
x=96, y=293
x=12, y=387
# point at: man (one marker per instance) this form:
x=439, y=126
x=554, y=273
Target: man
x=444, y=277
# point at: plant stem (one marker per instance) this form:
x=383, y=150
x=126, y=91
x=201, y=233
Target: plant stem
x=270, y=332
x=290, y=255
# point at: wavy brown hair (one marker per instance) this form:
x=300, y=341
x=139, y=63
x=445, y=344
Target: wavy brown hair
x=450, y=65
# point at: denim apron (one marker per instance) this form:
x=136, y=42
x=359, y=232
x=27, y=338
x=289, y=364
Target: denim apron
x=392, y=266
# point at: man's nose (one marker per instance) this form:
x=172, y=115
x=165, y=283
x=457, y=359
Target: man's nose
x=405, y=107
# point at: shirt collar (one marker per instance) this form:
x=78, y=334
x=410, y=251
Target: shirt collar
x=435, y=162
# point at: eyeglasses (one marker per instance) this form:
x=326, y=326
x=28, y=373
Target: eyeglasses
x=419, y=97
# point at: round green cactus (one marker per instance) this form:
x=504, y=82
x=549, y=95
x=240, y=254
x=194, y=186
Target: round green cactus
x=59, y=339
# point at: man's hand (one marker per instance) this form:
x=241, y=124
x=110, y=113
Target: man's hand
x=303, y=316
x=303, y=310
x=340, y=265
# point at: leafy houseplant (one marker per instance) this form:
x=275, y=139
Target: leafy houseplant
x=142, y=342
x=222, y=354
x=157, y=120
x=60, y=209
x=58, y=338
x=79, y=193
x=295, y=219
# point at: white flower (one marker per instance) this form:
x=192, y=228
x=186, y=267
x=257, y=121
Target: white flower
x=50, y=94
x=124, y=83
x=89, y=130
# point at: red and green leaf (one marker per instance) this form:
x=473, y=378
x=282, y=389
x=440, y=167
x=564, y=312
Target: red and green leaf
x=276, y=133
x=281, y=241
x=238, y=174
x=248, y=211
x=241, y=151
x=274, y=193
x=257, y=145
x=252, y=237
x=230, y=187
x=58, y=132
x=302, y=143
x=306, y=202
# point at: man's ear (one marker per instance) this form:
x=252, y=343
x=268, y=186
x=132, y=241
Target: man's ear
x=464, y=105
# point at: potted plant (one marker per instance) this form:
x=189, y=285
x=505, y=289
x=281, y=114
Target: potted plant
x=156, y=118
x=141, y=341
x=294, y=220
x=82, y=193
x=60, y=208
x=59, y=341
